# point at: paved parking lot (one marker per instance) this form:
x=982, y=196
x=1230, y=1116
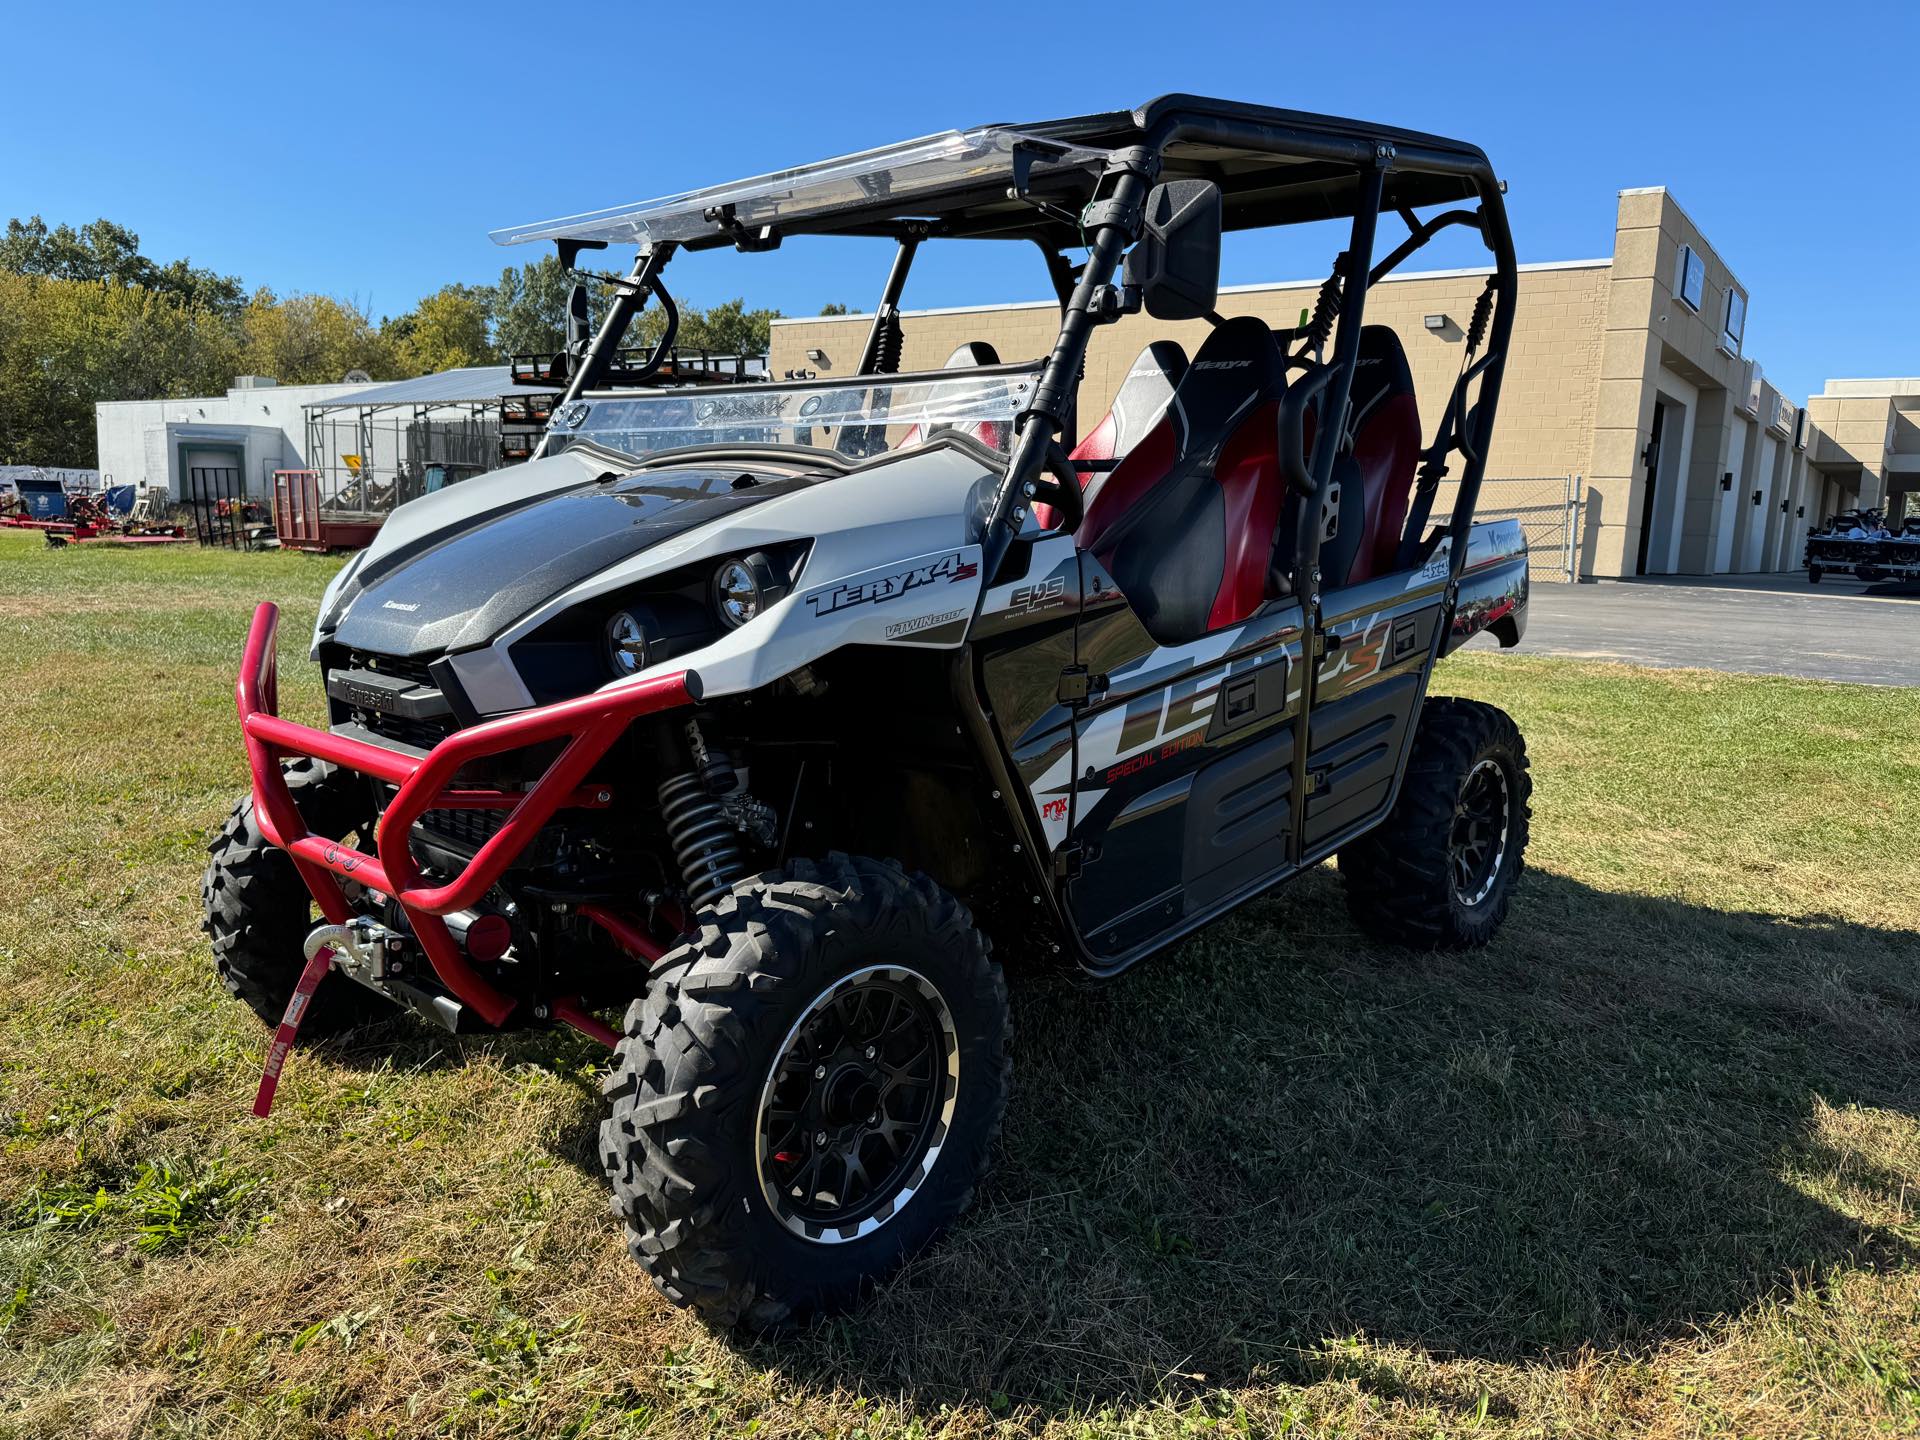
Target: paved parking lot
x=1763, y=624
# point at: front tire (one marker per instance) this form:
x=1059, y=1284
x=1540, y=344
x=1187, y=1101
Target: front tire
x=1813, y=574
x=257, y=911
x=1440, y=871
x=807, y=1093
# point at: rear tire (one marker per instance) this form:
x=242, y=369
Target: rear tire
x=1813, y=574
x=1440, y=871
x=257, y=910
x=722, y=1138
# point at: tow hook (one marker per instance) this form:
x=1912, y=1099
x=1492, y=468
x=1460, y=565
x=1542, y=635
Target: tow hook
x=324, y=944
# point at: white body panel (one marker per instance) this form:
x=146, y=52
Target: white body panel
x=895, y=560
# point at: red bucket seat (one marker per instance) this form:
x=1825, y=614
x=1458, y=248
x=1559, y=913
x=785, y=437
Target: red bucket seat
x=1185, y=523
x=970, y=356
x=1385, y=453
x=1137, y=407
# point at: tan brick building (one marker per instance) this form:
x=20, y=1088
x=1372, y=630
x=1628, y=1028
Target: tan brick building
x=1627, y=372
x=1873, y=426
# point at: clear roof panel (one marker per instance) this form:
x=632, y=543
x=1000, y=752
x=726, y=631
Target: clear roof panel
x=893, y=174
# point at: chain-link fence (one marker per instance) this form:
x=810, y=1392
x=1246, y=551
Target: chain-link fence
x=366, y=462
x=1548, y=509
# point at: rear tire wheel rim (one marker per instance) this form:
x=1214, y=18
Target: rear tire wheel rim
x=857, y=1104
x=1482, y=820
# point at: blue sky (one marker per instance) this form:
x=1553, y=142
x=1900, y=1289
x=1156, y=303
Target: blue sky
x=365, y=150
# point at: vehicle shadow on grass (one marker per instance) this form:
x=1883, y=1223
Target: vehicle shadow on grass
x=1604, y=1131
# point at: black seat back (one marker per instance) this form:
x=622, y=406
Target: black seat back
x=1185, y=522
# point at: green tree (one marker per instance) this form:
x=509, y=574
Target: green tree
x=311, y=340
x=834, y=307
x=106, y=251
x=530, y=308
x=728, y=328
x=66, y=345
x=448, y=330
x=530, y=316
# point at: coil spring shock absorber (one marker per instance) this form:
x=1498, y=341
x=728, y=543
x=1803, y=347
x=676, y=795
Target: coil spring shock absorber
x=706, y=846
x=1326, y=309
x=892, y=338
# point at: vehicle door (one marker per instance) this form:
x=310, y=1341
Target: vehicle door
x=1375, y=641
x=1181, y=797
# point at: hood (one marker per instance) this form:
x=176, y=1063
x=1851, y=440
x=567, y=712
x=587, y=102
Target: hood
x=457, y=576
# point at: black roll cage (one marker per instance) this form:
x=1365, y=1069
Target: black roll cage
x=1274, y=167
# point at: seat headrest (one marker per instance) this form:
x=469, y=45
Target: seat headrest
x=1243, y=343
x=1143, y=396
x=1380, y=370
x=1164, y=358
x=1240, y=362
x=974, y=352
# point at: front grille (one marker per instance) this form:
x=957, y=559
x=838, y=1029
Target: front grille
x=407, y=667
x=469, y=829
x=420, y=733
x=460, y=832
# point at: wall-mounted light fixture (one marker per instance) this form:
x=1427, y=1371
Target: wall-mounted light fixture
x=1783, y=507
x=818, y=357
x=1437, y=322
x=1801, y=513
x=1726, y=481
x=1756, y=497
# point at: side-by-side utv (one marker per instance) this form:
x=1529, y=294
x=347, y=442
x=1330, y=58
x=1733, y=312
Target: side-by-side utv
x=1859, y=545
x=759, y=715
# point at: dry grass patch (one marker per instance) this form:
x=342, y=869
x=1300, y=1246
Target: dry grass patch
x=1648, y=1166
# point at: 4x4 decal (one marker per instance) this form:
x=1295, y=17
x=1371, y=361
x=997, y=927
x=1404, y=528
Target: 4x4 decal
x=951, y=568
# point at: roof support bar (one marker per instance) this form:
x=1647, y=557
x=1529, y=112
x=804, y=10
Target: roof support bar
x=1422, y=233
x=629, y=296
x=1118, y=205
x=886, y=314
x=1331, y=430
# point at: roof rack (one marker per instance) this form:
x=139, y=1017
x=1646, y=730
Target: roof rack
x=679, y=367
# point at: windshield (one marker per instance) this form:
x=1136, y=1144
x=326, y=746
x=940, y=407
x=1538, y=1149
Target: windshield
x=859, y=418
x=894, y=174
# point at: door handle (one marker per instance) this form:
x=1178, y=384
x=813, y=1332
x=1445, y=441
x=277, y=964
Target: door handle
x=1241, y=700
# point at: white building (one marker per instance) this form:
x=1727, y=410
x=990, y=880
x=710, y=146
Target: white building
x=256, y=428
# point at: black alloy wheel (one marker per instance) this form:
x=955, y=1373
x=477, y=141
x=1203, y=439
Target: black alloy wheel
x=857, y=1104
x=807, y=1091
x=1440, y=870
x=1482, y=818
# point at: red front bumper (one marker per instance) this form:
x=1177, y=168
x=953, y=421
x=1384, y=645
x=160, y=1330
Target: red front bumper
x=589, y=723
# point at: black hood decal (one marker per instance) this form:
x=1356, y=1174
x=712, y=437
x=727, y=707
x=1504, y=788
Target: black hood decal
x=468, y=585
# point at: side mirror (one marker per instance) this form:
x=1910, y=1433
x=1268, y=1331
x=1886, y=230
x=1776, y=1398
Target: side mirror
x=1175, y=265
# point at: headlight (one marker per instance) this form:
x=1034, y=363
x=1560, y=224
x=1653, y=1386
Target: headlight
x=626, y=643
x=742, y=588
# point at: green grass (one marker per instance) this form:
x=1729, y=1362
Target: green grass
x=1649, y=1165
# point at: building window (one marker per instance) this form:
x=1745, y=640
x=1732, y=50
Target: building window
x=1689, y=278
x=1734, y=331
